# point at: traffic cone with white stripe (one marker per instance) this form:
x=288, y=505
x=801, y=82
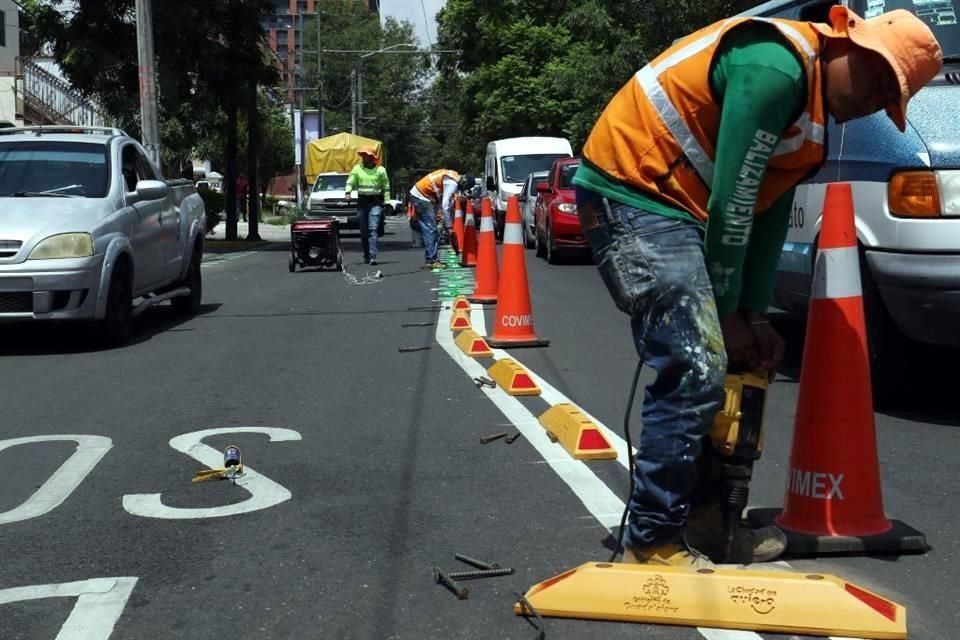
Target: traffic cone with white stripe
x=468, y=253
x=488, y=275
x=513, y=325
x=456, y=238
x=833, y=502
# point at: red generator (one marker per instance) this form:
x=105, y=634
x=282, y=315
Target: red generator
x=315, y=243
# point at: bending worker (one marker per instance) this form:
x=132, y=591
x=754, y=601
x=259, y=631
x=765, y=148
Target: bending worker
x=684, y=193
x=437, y=187
x=369, y=179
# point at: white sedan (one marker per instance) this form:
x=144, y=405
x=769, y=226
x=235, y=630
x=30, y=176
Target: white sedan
x=527, y=198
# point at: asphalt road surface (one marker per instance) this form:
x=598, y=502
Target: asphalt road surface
x=364, y=467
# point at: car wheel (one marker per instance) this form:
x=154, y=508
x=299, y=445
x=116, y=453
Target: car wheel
x=551, y=249
x=189, y=305
x=527, y=236
x=117, y=324
x=538, y=243
x=291, y=264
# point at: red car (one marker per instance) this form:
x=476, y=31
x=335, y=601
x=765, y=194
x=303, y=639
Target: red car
x=556, y=225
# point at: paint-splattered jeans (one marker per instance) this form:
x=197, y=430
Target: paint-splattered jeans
x=654, y=268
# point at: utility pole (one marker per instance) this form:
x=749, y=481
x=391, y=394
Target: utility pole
x=353, y=101
x=150, y=122
x=322, y=129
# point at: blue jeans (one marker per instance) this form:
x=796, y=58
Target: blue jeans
x=654, y=269
x=368, y=218
x=427, y=217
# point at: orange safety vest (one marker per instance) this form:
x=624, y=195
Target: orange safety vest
x=659, y=132
x=431, y=185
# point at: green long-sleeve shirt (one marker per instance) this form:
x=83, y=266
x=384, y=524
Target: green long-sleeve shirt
x=368, y=182
x=760, y=82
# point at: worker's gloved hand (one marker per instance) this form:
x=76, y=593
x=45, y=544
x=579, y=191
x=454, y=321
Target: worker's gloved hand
x=770, y=346
x=738, y=340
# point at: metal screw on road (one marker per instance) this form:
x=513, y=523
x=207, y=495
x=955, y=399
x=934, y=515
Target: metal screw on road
x=479, y=564
x=492, y=437
x=481, y=573
x=440, y=577
x=510, y=439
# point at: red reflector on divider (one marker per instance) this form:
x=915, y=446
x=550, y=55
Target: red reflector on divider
x=523, y=381
x=884, y=607
x=592, y=439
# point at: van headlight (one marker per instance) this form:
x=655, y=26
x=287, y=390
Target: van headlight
x=64, y=245
x=924, y=194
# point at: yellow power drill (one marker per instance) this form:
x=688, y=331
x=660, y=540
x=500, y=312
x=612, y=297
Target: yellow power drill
x=737, y=437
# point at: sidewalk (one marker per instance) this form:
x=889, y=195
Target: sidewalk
x=268, y=232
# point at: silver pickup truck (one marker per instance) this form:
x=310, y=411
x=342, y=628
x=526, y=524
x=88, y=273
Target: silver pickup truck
x=89, y=230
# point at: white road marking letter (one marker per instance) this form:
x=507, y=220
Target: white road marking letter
x=100, y=603
x=59, y=486
x=264, y=493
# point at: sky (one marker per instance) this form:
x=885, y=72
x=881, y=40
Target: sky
x=413, y=10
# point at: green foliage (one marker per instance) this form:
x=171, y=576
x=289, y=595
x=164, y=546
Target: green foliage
x=539, y=67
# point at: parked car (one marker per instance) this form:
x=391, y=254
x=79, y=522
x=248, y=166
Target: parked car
x=906, y=190
x=510, y=161
x=557, y=227
x=88, y=225
x=528, y=198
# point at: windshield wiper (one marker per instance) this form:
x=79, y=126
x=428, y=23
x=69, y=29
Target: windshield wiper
x=42, y=194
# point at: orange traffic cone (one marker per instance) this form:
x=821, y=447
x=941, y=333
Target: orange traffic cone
x=833, y=501
x=455, y=237
x=468, y=254
x=488, y=278
x=514, y=318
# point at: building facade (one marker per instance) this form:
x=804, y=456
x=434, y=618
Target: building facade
x=284, y=29
x=10, y=106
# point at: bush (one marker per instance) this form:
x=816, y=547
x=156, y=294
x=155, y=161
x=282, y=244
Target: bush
x=213, y=204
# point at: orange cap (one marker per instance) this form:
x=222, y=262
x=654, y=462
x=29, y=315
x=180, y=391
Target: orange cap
x=905, y=42
x=369, y=150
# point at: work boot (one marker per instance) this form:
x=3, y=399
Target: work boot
x=436, y=264
x=671, y=555
x=705, y=533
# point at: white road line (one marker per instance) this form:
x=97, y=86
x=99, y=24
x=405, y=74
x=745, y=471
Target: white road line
x=595, y=495
x=573, y=472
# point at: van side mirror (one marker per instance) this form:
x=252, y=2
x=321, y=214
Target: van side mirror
x=491, y=185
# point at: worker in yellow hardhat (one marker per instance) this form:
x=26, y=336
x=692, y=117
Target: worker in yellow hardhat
x=369, y=179
x=684, y=193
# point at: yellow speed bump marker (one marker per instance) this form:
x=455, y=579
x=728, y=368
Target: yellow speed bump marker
x=774, y=601
x=577, y=433
x=513, y=378
x=460, y=321
x=473, y=344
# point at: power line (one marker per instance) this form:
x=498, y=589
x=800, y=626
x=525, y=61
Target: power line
x=426, y=23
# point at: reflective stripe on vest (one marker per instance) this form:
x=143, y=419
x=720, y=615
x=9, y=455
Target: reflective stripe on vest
x=658, y=134
x=648, y=77
x=431, y=185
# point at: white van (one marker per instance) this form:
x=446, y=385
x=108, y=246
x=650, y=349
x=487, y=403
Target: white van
x=511, y=160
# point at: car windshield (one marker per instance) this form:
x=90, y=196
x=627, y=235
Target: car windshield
x=331, y=183
x=41, y=168
x=566, y=175
x=515, y=169
x=940, y=15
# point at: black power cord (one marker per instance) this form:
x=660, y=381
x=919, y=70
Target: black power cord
x=626, y=434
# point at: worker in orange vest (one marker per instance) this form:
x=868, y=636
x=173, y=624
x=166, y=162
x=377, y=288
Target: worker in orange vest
x=684, y=193
x=436, y=189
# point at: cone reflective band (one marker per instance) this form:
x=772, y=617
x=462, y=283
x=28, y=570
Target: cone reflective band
x=488, y=275
x=833, y=500
x=468, y=254
x=457, y=240
x=513, y=319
